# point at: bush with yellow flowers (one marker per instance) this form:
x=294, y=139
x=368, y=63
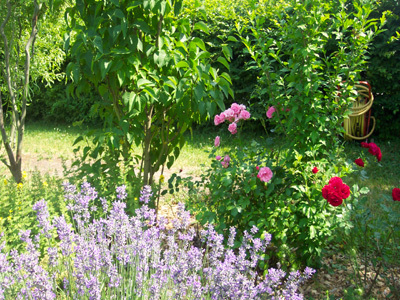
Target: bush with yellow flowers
x=16, y=200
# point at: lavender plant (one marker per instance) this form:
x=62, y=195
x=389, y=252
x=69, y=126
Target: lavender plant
x=122, y=257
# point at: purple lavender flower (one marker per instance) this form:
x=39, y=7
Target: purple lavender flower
x=43, y=217
x=145, y=194
x=121, y=192
x=53, y=253
x=126, y=255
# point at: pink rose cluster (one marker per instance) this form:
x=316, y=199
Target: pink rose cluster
x=373, y=149
x=335, y=191
x=225, y=162
x=233, y=115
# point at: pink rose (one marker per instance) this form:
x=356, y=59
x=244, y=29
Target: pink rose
x=236, y=108
x=225, y=162
x=242, y=107
x=244, y=114
x=222, y=117
x=257, y=168
x=265, y=174
x=270, y=112
x=218, y=157
x=216, y=120
x=217, y=141
x=229, y=113
x=232, y=128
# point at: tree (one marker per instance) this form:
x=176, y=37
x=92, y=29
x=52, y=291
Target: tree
x=19, y=26
x=153, y=77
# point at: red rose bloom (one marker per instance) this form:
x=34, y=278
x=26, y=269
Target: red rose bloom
x=335, y=191
x=373, y=149
x=335, y=180
x=330, y=194
x=379, y=156
x=343, y=191
x=315, y=170
x=396, y=194
x=359, y=162
x=364, y=145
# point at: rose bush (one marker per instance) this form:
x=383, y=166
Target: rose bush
x=255, y=185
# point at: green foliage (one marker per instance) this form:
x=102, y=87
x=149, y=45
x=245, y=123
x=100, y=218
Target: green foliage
x=153, y=77
x=52, y=104
x=221, y=19
x=373, y=244
x=310, y=55
x=16, y=203
x=383, y=71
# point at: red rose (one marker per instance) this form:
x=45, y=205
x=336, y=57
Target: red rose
x=326, y=190
x=359, y=162
x=379, y=156
x=330, y=194
x=315, y=170
x=335, y=191
x=343, y=191
x=334, y=199
x=396, y=194
x=373, y=149
x=364, y=145
x=335, y=180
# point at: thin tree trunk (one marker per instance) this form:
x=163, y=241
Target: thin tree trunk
x=147, y=177
x=18, y=121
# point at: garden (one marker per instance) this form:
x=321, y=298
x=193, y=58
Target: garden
x=199, y=149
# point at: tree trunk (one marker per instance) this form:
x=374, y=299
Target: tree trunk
x=147, y=174
x=18, y=120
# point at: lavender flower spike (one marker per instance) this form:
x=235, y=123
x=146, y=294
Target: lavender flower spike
x=145, y=194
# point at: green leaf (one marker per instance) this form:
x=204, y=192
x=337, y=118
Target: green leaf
x=199, y=92
x=199, y=43
x=143, y=26
x=133, y=5
x=364, y=190
x=144, y=82
x=232, y=39
x=182, y=64
x=160, y=58
x=223, y=61
x=177, y=7
x=98, y=43
x=227, y=52
x=313, y=232
x=201, y=26
x=104, y=67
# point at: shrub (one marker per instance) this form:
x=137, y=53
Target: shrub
x=255, y=186
x=118, y=256
x=310, y=55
